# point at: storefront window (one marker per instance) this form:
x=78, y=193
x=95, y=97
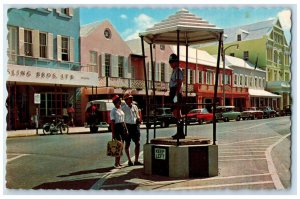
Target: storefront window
x=51, y=103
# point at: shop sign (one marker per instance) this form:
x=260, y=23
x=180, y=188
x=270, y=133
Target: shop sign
x=37, y=98
x=51, y=76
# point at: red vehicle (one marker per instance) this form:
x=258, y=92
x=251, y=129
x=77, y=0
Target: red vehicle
x=100, y=117
x=199, y=115
x=252, y=113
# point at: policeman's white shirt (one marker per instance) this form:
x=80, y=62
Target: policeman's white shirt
x=131, y=113
x=117, y=115
x=176, y=74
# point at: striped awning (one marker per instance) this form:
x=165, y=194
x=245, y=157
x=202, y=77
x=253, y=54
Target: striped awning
x=192, y=30
x=262, y=93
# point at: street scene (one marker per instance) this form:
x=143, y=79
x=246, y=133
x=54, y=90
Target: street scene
x=149, y=99
x=248, y=154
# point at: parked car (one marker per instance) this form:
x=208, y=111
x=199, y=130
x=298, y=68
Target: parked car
x=252, y=113
x=199, y=115
x=161, y=116
x=227, y=113
x=268, y=112
x=101, y=116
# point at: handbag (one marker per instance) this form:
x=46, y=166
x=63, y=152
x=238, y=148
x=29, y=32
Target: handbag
x=114, y=148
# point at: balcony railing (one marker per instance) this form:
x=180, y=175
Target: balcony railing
x=42, y=62
x=228, y=88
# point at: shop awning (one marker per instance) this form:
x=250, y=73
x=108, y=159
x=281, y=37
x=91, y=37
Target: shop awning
x=262, y=93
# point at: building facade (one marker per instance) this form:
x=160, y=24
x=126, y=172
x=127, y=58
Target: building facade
x=264, y=45
x=247, y=76
x=43, y=64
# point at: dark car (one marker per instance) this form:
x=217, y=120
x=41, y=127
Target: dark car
x=162, y=116
x=268, y=112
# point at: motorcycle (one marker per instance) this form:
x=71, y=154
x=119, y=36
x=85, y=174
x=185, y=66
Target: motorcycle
x=57, y=126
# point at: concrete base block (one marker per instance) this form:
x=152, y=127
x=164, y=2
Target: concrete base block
x=197, y=160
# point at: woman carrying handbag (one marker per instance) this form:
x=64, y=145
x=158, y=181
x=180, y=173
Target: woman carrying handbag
x=118, y=126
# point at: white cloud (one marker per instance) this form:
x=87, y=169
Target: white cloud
x=285, y=19
x=141, y=23
x=123, y=16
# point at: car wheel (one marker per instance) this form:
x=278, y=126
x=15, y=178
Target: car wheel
x=163, y=124
x=238, y=118
x=93, y=129
x=200, y=121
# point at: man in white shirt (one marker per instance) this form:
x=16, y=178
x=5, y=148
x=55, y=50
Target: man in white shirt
x=132, y=120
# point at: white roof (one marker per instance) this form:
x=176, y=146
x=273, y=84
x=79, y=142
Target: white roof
x=235, y=61
x=196, y=56
x=261, y=93
x=193, y=30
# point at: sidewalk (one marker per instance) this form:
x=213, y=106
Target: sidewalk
x=32, y=132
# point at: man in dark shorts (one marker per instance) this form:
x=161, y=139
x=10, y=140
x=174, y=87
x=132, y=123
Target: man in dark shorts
x=132, y=120
x=176, y=94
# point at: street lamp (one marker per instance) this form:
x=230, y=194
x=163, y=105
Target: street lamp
x=223, y=78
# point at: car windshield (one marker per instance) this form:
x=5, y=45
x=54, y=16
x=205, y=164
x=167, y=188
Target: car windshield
x=161, y=111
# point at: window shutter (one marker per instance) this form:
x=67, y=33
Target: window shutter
x=21, y=41
x=58, y=48
x=157, y=72
x=71, y=49
x=102, y=65
x=127, y=72
x=71, y=12
x=189, y=76
x=114, y=65
x=50, y=46
x=36, y=43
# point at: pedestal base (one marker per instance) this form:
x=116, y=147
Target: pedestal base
x=194, y=157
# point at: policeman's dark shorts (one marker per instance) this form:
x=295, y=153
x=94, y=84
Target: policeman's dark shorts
x=120, y=132
x=134, y=133
x=172, y=95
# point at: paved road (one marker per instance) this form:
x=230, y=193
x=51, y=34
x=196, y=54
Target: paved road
x=252, y=154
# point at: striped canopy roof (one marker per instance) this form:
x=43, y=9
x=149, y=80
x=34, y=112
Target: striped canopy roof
x=192, y=29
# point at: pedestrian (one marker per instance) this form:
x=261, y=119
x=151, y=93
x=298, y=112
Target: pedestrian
x=118, y=126
x=175, y=98
x=71, y=113
x=132, y=120
x=65, y=114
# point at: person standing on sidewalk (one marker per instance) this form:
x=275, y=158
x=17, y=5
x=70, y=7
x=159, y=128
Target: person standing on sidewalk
x=71, y=113
x=176, y=94
x=132, y=120
x=118, y=126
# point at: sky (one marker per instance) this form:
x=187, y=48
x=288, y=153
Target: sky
x=130, y=20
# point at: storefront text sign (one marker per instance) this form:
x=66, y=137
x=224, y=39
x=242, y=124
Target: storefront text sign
x=32, y=74
x=37, y=98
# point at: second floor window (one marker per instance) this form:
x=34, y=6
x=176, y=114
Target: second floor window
x=120, y=66
x=43, y=45
x=246, y=55
x=239, y=37
x=107, y=65
x=28, y=43
x=65, y=49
